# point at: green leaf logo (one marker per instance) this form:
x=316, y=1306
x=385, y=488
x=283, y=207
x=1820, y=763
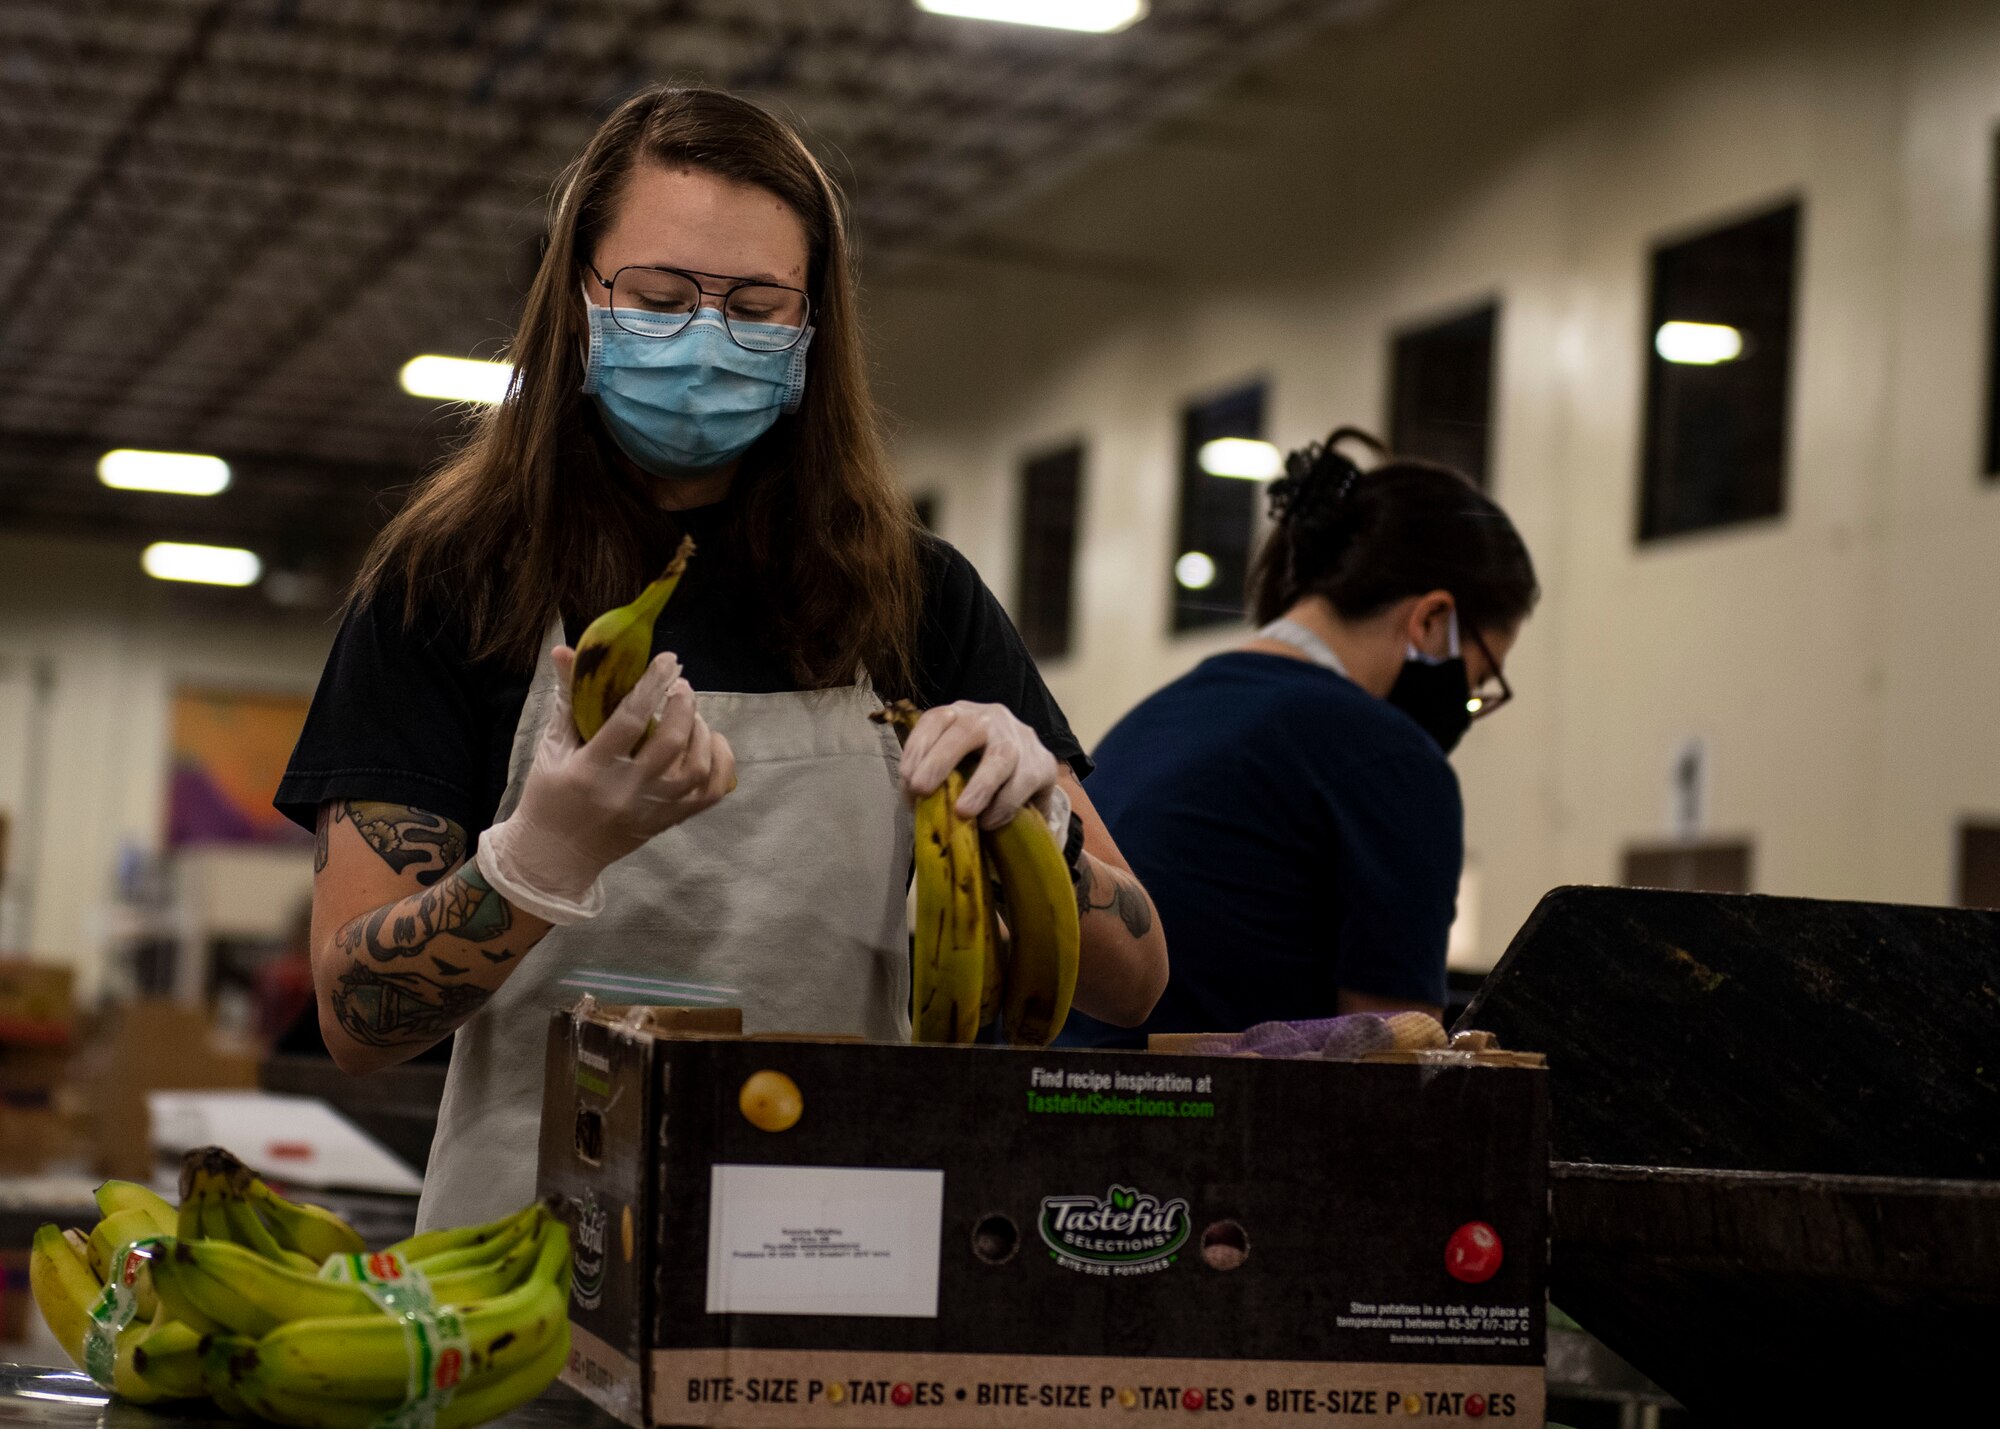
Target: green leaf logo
x=1123, y=1200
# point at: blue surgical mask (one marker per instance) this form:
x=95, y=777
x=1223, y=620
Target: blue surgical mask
x=691, y=402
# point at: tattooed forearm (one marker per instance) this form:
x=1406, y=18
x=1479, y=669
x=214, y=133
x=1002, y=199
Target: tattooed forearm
x=393, y=1009
x=1121, y=894
x=463, y=906
x=405, y=838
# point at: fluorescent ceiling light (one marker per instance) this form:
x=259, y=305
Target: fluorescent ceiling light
x=1240, y=456
x=1698, y=344
x=205, y=565
x=1195, y=570
x=457, y=379
x=179, y=473
x=1099, y=17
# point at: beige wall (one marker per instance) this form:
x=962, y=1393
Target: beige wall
x=108, y=646
x=1839, y=664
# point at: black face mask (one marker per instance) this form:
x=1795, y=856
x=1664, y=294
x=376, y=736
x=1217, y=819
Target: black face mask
x=1436, y=696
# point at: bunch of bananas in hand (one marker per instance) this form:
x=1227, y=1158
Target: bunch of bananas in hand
x=997, y=931
x=276, y=1309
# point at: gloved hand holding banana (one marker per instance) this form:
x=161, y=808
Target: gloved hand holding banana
x=275, y=1310
x=997, y=931
x=624, y=755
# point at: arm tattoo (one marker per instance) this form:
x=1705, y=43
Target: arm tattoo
x=403, y=837
x=1122, y=894
x=463, y=906
x=393, y=1009
x=402, y=993
x=321, y=826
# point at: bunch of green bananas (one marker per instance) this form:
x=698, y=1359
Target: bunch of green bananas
x=996, y=922
x=316, y=1354
x=232, y=1305
x=224, y=1200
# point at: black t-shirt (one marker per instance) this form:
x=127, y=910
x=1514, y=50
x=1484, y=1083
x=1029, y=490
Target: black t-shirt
x=1298, y=836
x=403, y=716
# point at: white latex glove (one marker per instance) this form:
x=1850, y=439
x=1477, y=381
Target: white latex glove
x=1014, y=767
x=585, y=806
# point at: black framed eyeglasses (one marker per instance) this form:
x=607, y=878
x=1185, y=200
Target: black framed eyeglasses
x=661, y=302
x=1484, y=703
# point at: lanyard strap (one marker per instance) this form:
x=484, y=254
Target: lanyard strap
x=1290, y=632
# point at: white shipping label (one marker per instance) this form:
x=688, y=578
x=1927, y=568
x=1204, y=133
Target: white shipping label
x=823, y=1240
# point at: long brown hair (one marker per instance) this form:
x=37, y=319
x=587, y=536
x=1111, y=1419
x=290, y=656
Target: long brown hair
x=1365, y=539
x=533, y=516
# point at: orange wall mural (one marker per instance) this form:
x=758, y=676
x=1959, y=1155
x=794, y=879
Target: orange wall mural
x=230, y=749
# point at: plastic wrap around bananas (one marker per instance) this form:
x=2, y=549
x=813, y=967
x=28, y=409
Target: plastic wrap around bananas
x=276, y=1310
x=996, y=920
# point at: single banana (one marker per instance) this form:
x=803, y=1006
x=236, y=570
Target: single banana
x=313, y=1231
x=64, y=1288
x=616, y=648
x=424, y=1245
x=114, y=1197
x=952, y=931
x=1043, y=931
x=219, y=1285
x=367, y=1357
x=114, y=1233
x=168, y=1358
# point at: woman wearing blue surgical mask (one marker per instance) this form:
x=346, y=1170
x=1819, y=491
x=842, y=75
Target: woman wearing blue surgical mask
x=1290, y=804
x=688, y=363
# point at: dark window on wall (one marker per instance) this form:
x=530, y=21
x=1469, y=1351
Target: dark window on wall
x=1979, y=865
x=927, y=510
x=1710, y=867
x=1993, y=340
x=1718, y=383
x=1441, y=392
x=1051, y=494
x=1211, y=557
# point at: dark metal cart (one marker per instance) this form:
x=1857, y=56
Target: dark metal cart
x=1775, y=1124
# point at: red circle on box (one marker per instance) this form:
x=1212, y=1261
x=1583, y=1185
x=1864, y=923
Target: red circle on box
x=1473, y=1253
x=1191, y=1399
x=901, y=1396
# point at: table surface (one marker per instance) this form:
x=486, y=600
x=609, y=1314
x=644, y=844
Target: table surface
x=65, y=1399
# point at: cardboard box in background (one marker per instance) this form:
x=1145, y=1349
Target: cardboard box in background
x=981, y=1237
x=16, y=1300
x=37, y=1004
x=38, y=1126
x=153, y=1045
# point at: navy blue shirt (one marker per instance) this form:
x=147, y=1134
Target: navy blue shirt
x=1298, y=836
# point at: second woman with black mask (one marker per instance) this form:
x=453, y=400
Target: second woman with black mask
x=1290, y=804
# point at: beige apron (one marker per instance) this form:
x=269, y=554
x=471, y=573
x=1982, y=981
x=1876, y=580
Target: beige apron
x=786, y=899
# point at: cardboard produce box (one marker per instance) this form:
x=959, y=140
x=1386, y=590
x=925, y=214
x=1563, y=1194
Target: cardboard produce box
x=37, y=1004
x=154, y=1045
x=780, y=1232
